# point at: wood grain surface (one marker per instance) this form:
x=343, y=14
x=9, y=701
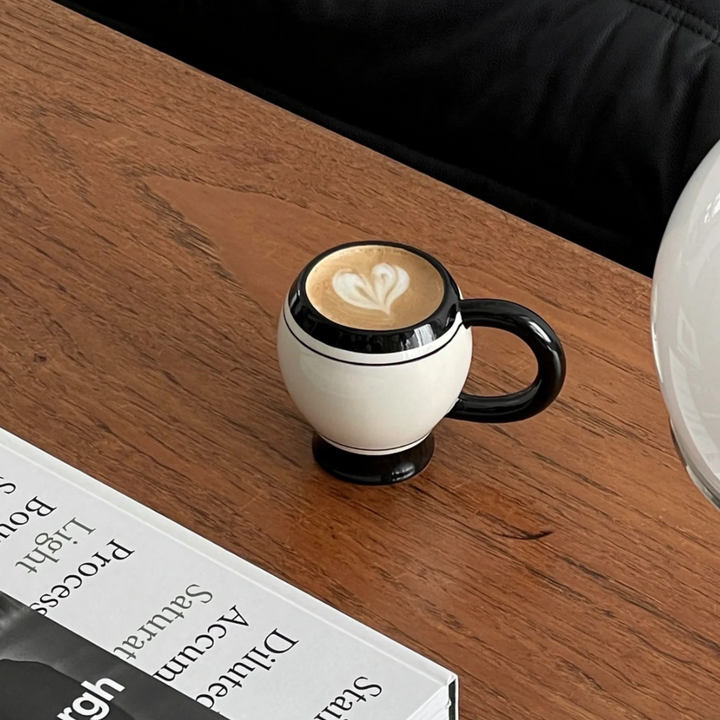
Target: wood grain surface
x=151, y=220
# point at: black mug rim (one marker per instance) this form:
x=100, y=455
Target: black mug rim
x=359, y=340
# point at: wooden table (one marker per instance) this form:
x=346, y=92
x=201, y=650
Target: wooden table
x=151, y=219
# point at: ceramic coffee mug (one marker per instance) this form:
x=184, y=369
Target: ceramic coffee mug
x=375, y=345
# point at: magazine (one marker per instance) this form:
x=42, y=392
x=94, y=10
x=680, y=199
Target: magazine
x=195, y=617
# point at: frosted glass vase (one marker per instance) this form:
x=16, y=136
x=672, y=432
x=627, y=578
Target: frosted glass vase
x=686, y=324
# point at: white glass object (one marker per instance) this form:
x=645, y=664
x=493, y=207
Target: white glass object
x=686, y=324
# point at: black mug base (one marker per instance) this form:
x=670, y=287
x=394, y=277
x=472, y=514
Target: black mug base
x=373, y=469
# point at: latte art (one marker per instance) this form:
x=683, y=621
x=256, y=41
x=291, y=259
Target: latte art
x=375, y=287
x=388, y=283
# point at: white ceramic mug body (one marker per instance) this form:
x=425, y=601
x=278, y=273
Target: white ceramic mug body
x=374, y=396
x=373, y=404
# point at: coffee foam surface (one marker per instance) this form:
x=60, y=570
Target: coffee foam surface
x=375, y=287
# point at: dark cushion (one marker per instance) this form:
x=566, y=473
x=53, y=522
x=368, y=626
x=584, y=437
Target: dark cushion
x=583, y=116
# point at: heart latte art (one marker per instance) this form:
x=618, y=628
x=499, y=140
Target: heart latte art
x=375, y=287
x=385, y=285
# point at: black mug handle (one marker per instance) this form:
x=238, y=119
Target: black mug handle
x=548, y=351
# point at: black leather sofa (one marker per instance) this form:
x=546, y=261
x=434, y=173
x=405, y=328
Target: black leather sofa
x=586, y=117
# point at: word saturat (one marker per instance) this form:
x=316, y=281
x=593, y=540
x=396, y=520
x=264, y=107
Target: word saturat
x=175, y=610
